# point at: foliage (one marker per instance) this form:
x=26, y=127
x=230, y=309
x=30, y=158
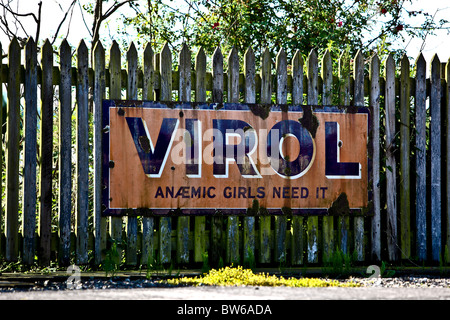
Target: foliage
x=237, y=276
x=289, y=24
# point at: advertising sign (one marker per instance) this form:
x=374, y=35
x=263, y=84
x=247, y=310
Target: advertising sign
x=185, y=158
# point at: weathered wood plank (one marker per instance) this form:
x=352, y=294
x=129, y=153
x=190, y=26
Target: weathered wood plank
x=100, y=223
x=327, y=95
x=233, y=246
x=200, y=96
x=216, y=240
x=184, y=95
x=436, y=153
x=82, y=165
x=200, y=79
x=165, y=223
x=217, y=76
x=266, y=77
x=184, y=69
x=148, y=73
x=391, y=188
x=447, y=155
x=344, y=99
x=297, y=238
x=249, y=238
x=405, y=151
x=374, y=102
x=265, y=245
x=297, y=78
x=132, y=94
x=148, y=241
x=46, y=153
x=30, y=152
x=249, y=74
x=281, y=98
x=358, y=96
x=421, y=159
x=233, y=76
x=115, y=92
x=312, y=99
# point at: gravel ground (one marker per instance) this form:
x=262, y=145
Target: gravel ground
x=126, y=283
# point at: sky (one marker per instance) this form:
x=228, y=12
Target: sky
x=439, y=43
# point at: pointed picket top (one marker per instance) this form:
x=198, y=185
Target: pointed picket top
x=184, y=68
x=266, y=77
x=233, y=75
x=249, y=74
x=327, y=77
x=14, y=43
x=312, y=57
x=30, y=42
x=389, y=62
x=375, y=60
x=81, y=46
x=47, y=46
x=233, y=55
x=217, y=76
x=165, y=51
x=200, y=56
x=281, y=67
x=217, y=53
x=249, y=54
x=435, y=68
x=148, y=51
x=114, y=50
x=132, y=52
x=65, y=44
x=420, y=61
x=297, y=78
x=200, y=71
x=165, y=70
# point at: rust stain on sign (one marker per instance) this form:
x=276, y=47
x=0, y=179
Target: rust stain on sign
x=199, y=158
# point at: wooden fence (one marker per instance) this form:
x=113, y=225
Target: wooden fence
x=51, y=201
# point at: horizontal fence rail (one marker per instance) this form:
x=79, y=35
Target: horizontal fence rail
x=52, y=160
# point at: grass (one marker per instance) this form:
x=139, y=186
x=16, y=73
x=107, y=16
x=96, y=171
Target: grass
x=237, y=276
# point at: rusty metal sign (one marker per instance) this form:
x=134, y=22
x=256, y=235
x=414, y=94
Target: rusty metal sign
x=185, y=158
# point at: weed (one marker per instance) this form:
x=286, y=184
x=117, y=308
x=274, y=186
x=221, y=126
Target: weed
x=238, y=276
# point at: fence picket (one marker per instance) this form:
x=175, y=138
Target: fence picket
x=46, y=153
x=100, y=223
x=265, y=245
x=447, y=155
x=115, y=92
x=391, y=189
x=233, y=97
x=281, y=98
x=327, y=221
x=297, y=237
x=30, y=152
x=421, y=159
x=184, y=95
x=82, y=166
x=435, y=141
x=165, y=223
x=313, y=221
x=358, y=97
x=216, y=241
x=148, y=242
x=132, y=94
x=374, y=103
x=12, y=152
x=344, y=99
x=405, y=196
x=249, y=240
x=200, y=96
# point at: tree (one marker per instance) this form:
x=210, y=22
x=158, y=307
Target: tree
x=291, y=24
